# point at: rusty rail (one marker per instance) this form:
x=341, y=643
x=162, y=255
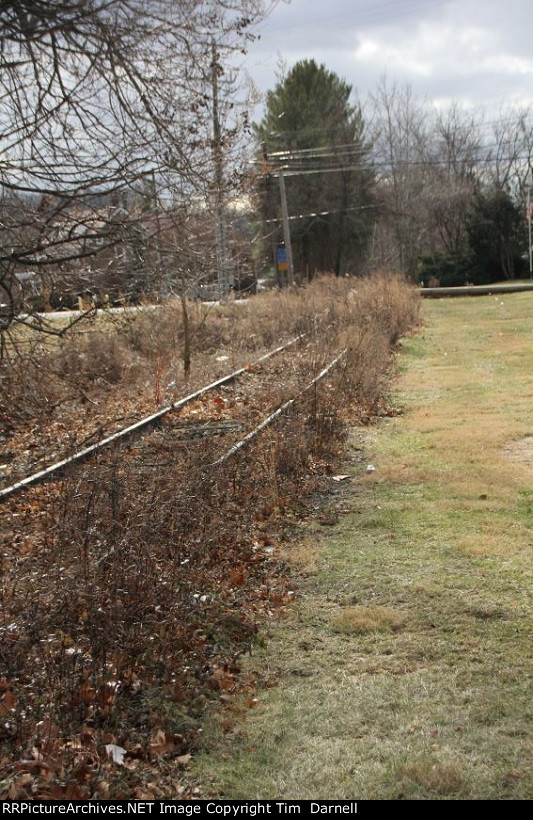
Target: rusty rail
x=277, y=413
x=139, y=426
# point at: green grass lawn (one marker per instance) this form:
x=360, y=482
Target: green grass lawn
x=404, y=669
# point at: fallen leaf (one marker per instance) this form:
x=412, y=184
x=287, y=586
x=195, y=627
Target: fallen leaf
x=85, y=694
x=224, y=680
x=8, y=702
x=236, y=577
x=162, y=744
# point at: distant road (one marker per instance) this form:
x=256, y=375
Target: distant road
x=427, y=293
x=74, y=314
x=474, y=290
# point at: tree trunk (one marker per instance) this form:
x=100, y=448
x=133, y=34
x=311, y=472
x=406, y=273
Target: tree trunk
x=186, y=350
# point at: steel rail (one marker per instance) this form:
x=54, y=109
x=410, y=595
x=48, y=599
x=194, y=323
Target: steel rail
x=277, y=413
x=132, y=429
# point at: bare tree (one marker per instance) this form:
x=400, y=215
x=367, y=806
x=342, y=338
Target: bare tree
x=400, y=140
x=96, y=97
x=508, y=164
x=453, y=153
x=431, y=163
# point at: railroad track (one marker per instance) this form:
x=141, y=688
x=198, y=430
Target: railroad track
x=155, y=451
x=273, y=417
x=188, y=431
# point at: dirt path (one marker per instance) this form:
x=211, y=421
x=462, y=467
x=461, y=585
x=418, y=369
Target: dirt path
x=404, y=670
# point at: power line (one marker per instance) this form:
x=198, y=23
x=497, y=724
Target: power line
x=325, y=213
x=318, y=148
x=400, y=165
x=370, y=14
x=337, y=155
x=463, y=129
x=326, y=170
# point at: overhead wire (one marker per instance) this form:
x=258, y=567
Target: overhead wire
x=371, y=13
x=491, y=123
x=325, y=213
x=400, y=164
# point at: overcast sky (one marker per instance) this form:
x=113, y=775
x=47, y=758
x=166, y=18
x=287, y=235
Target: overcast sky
x=472, y=51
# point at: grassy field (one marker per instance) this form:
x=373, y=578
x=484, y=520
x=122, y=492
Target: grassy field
x=404, y=670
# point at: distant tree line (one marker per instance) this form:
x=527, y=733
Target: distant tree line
x=124, y=167
x=439, y=194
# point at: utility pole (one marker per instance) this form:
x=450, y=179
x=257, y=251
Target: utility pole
x=528, y=213
x=155, y=207
x=222, y=249
x=286, y=227
x=266, y=233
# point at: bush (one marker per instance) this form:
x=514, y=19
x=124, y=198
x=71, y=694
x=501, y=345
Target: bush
x=98, y=358
x=445, y=270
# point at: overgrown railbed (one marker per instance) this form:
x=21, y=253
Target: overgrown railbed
x=59, y=394
x=131, y=588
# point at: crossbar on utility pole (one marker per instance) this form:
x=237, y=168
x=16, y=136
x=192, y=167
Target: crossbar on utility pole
x=286, y=228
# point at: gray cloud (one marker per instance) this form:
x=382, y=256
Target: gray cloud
x=474, y=51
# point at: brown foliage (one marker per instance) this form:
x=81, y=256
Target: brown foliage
x=149, y=572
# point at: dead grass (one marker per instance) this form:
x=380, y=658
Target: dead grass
x=432, y=778
x=360, y=619
x=143, y=350
x=60, y=393
x=521, y=451
x=302, y=556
